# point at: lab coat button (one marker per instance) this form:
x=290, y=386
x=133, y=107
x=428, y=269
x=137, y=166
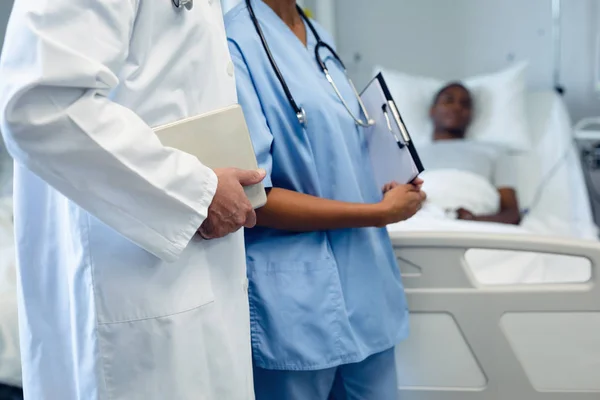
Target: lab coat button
x=230, y=68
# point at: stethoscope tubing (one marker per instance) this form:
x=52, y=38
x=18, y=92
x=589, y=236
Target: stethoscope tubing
x=300, y=113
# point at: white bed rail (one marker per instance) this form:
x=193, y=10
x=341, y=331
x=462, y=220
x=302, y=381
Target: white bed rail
x=472, y=341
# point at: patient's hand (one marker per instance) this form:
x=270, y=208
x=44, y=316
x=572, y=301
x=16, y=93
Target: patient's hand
x=467, y=215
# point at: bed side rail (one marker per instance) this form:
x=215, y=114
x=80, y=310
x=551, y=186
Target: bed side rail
x=439, y=283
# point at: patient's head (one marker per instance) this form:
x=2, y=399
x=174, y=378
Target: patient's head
x=451, y=112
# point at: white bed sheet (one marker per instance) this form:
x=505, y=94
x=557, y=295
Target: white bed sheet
x=564, y=197
x=563, y=208
x=502, y=267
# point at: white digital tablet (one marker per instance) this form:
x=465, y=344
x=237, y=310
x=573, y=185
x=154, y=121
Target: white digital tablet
x=219, y=139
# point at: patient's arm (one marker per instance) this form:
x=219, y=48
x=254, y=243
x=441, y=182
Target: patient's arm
x=509, y=209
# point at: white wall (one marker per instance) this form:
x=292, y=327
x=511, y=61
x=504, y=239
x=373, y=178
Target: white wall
x=459, y=38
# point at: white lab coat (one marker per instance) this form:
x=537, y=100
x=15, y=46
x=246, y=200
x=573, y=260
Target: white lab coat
x=118, y=298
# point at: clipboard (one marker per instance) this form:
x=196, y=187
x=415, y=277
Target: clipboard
x=393, y=155
x=219, y=139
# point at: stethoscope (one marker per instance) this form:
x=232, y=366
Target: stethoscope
x=188, y=4
x=300, y=113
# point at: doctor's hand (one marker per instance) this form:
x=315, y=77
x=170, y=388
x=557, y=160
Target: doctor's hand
x=230, y=208
x=401, y=202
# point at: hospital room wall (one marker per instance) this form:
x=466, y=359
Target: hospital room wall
x=462, y=38
x=453, y=39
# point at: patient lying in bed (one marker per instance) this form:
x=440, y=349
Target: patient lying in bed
x=466, y=179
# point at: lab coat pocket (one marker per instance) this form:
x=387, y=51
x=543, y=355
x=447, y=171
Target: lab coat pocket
x=166, y=358
x=295, y=312
x=131, y=284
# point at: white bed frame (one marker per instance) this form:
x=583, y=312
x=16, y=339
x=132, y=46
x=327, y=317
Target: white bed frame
x=474, y=342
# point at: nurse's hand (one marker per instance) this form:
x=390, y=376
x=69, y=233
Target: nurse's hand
x=417, y=182
x=230, y=208
x=401, y=202
x=389, y=186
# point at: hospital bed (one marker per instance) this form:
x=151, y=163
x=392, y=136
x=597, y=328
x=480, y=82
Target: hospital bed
x=532, y=335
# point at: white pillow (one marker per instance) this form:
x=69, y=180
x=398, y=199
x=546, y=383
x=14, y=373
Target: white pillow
x=499, y=115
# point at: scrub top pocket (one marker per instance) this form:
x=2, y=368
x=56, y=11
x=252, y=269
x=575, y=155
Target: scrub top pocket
x=296, y=311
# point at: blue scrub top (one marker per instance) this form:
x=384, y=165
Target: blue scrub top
x=317, y=299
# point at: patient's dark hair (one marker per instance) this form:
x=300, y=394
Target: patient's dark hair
x=446, y=87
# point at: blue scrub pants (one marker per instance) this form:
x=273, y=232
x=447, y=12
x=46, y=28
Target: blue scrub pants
x=371, y=379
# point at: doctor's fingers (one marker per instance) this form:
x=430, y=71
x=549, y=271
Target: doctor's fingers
x=250, y=177
x=207, y=231
x=210, y=230
x=222, y=222
x=250, y=219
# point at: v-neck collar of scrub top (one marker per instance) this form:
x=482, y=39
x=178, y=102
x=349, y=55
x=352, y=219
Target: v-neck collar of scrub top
x=262, y=10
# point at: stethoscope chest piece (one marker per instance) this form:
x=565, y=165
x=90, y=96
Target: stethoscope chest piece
x=188, y=4
x=301, y=115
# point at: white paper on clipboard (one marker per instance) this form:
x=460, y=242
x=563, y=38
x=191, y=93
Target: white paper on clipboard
x=389, y=162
